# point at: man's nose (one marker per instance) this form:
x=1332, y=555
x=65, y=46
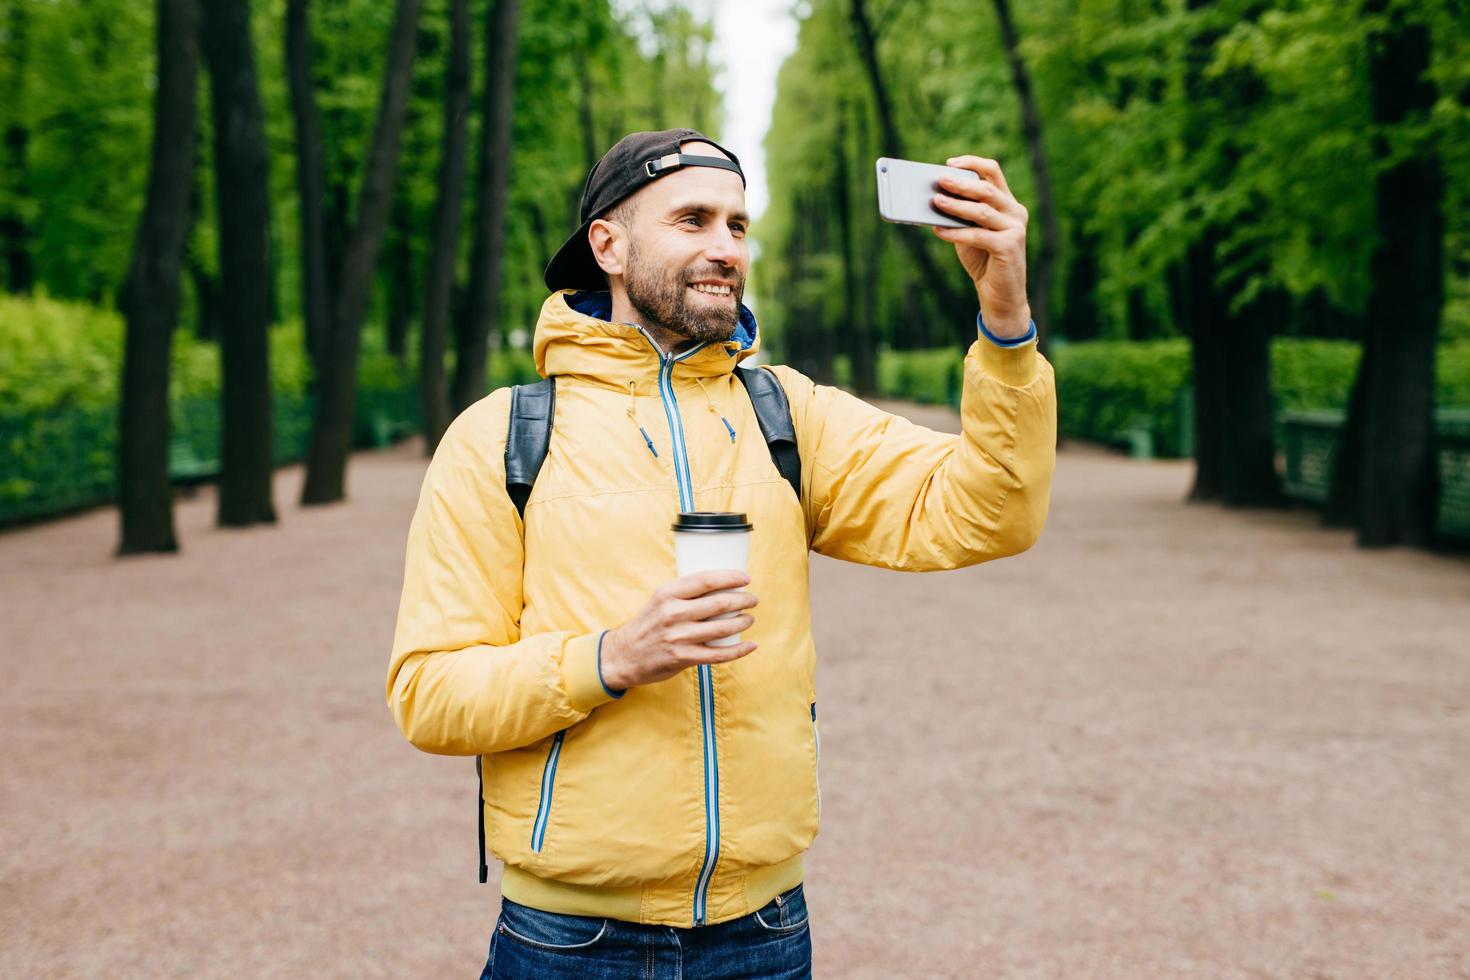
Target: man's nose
x=723, y=247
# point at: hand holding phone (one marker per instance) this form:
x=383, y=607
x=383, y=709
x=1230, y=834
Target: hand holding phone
x=906, y=190
x=971, y=207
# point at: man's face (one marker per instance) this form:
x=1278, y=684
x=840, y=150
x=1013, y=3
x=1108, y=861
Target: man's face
x=686, y=260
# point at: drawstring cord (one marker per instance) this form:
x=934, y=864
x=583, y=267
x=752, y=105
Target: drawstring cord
x=728, y=427
x=633, y=414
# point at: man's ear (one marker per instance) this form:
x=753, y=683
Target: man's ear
x=609, y=242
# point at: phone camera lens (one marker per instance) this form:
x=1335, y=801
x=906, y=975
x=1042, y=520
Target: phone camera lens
x=884, y=168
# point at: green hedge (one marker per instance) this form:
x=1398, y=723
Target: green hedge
x=1108, y=391
x=60, y=368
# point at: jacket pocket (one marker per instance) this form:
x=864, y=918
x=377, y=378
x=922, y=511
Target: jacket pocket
x=548, y=783
x=816, y=766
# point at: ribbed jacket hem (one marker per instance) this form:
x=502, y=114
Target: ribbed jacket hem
x=641, y=903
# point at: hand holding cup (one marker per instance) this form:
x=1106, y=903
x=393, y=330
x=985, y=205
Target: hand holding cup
x=670, y=633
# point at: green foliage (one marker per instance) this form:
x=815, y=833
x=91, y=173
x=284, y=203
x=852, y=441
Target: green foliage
x=1106, y=388
x=1311, y=374
x=930, y=377
x=60, y=369
x=1162, y=122
x=77, y=78
x=1109, y=388
x=57, y=355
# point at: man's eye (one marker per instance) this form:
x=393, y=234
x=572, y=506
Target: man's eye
x=737, y=227
x=691, y=218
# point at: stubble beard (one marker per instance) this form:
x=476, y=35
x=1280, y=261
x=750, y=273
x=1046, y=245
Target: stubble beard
x=662, y=299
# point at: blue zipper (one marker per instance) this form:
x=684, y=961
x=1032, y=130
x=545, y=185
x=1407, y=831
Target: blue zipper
x=548, y=780
x=706, y=675
x=817, y=741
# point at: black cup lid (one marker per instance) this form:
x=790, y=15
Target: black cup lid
x=711, y=520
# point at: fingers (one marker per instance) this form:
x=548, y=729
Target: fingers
x=984, y=166
x=978, y=213
x=696, y=584
x=716, y=604
x=723, y=655
x=980, y=190
x=994, y=241
x=714, y=629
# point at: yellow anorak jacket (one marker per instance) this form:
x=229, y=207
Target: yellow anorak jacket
x=689, y=801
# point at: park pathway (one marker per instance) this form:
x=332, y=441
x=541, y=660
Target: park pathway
x=1169, y=741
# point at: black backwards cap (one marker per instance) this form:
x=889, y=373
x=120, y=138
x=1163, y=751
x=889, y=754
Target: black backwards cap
x=634, y=161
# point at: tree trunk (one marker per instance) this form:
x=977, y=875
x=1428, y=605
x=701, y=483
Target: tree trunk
x=19, y=271
x=1234, y=414
x=1211, y=378
x=331, y=429
x=1231, y=352
x=1250, y=478
x=1081, y=319
x=954, y=306
x=311, y=180
x=1399, y=491
x=402, y=283
x=242, y=197
x=487, y=264
x=855, y=333
x=150, y=296
x=818, y=214
x=444, y=248
x=1046, y=258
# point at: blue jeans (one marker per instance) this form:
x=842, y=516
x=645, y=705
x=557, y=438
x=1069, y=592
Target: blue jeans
x=772, y=943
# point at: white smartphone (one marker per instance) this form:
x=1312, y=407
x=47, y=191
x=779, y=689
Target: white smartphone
x=906, y=190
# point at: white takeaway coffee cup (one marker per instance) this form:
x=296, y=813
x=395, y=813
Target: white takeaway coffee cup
x=705, y=540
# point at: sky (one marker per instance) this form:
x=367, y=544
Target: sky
x=752, y=38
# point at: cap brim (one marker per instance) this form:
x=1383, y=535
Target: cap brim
x=573, y=267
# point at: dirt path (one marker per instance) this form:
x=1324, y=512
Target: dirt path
x=1168, y=742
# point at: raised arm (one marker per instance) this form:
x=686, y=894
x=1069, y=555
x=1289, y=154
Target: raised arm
x=880, y=490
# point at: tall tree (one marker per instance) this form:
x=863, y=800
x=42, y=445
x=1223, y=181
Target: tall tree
x=150, y=296
x=242, y=195
x=487, y=255
x=856, y=332
x=1231, y=342
x=17, y=271
x=444, y=245
x=1387, y=478
x=311, y=179
x=336, y=379
x=1040, y=280
x=955, y=306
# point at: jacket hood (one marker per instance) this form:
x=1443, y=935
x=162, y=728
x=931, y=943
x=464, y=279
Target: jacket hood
x=575, y=335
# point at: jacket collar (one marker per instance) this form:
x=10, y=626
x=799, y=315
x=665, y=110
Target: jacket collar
x=575, y=336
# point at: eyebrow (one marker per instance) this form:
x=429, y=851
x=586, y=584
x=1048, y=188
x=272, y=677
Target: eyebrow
x=707, y=210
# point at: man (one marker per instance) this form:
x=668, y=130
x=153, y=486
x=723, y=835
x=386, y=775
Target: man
x=651, y=796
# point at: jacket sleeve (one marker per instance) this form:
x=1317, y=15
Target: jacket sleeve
x=462, y=680
x=880, y=490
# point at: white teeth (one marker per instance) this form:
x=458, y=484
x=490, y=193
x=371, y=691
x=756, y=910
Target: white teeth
x=716, y=290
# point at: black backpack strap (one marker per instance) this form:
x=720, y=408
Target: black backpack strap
x=773, y=412
x=527, y=437
x=480, y=775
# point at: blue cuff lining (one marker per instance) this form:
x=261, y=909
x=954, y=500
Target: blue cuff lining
x=1025, y=338
x=610, y=692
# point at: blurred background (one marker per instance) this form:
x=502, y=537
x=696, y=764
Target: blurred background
x=248, y=247
x=1249, y=237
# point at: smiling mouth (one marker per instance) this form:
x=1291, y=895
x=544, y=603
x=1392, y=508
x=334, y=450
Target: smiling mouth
x=711, y=290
